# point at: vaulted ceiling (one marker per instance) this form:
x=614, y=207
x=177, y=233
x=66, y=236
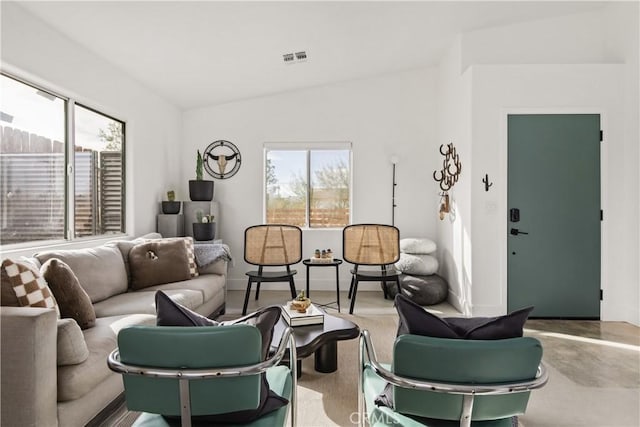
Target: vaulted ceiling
x=209, y=52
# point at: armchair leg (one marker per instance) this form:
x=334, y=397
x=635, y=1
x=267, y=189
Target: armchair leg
x=257, y=290
x=246, y=297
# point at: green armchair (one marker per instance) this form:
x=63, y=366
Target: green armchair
x=184, y=375
x=449, y=382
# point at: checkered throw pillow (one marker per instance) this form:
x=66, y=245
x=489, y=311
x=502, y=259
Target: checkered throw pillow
x=191, y=255
x=30, y=288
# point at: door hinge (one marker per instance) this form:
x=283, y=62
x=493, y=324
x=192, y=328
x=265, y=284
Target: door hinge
x=601, y=215
x=601, y=295
x=601, y=136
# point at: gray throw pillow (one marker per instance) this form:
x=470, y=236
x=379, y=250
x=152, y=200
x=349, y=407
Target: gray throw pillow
x=170, y=313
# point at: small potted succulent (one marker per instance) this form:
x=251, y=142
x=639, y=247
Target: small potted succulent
x=300, y=303
x=171, y=206
x=199, y=188
x=205, y=227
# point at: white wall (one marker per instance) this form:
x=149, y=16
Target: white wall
x=454, y=125
x=609, y=89
x=500, y=90
x=569, y=39
x=623, y=40
x=34, y=51
x=385, y=116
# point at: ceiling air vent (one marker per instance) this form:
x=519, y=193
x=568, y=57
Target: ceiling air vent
x=294, y=58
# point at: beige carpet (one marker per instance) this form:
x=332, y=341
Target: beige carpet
x=331, y=399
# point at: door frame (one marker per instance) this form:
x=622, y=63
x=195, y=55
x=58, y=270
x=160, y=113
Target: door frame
x=503, y=207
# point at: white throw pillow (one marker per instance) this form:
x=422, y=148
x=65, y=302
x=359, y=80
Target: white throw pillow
x=422, y=265
x=417, y=246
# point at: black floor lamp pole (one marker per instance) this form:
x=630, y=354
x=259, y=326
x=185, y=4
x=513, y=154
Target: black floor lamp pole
x=393, y=197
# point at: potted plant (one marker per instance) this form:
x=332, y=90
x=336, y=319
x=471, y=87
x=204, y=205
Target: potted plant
x=200, y=189
x=204, y=228
x=171, y=206
x=300, y=303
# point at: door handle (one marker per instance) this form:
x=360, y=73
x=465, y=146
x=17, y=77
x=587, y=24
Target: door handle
x=515, y=232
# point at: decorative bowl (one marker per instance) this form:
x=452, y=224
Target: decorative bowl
x=300, y=305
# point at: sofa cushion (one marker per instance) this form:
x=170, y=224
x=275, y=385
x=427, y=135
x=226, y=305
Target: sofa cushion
x=169, y=313
x=124, y=246
x=75, y=381
x=209, y=285
x=157, y=262
x=72, y=349
x=30, y=288
x=99, y=270
x=144, y=302
x=73, y=301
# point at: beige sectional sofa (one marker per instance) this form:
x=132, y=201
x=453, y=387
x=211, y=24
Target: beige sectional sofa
x=55, y=374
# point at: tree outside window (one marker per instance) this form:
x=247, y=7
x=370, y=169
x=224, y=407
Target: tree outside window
x=308, y=188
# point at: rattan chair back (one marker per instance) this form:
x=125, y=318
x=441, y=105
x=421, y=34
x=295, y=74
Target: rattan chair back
x=371, y=244
x=273, y=245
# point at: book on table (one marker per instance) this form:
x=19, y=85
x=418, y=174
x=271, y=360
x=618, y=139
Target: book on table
x=313, y=316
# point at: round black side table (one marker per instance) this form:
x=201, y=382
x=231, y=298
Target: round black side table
x=334, y=263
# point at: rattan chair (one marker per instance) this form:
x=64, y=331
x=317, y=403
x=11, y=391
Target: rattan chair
x=271, y=245
x=371, y=245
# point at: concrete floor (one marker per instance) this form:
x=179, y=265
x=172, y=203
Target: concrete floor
x=594, y=366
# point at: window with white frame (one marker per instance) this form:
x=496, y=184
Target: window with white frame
x=62, y=167
x=308, y=185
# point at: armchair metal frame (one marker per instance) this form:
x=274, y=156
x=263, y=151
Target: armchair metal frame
x=185, y=375
x=367, y=355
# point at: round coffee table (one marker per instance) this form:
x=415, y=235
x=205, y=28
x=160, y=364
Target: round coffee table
x=320, y=340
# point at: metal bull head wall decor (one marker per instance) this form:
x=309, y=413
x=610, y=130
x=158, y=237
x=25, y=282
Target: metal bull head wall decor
x=447, y=176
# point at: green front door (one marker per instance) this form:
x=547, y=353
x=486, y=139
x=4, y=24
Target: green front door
x=554, y=197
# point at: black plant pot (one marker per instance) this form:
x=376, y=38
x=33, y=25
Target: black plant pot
x=171, y=208
x=204, y=230
x=200, y=190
